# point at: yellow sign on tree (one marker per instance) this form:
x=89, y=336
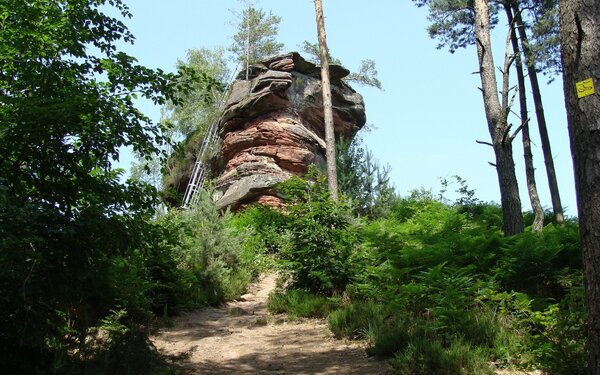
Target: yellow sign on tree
x=585, y=88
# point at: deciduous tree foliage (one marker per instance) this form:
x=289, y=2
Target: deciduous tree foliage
x=197, y=107
x=580, y=41
x=66, y=108
x=189, y=116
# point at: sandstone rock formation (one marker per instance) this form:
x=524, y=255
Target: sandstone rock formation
x=272, y=127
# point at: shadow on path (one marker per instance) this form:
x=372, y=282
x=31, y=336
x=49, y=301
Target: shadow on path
x=242, y=338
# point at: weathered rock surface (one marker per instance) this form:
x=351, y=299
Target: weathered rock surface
x=272, y=127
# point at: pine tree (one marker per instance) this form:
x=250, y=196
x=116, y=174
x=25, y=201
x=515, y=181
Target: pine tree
x=542, y=14
x=457, y=24
x=256, y=34
x=580, y=42
x=536, y=206
x=327, y=105
x=496, y=114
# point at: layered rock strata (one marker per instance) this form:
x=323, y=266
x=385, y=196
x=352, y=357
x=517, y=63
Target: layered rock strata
x=272, y=127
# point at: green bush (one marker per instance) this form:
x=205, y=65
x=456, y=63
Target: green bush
x=535, y=262
x=424, y=356
x=386, y=333
x=261, y=228
x=301, y=304
x=390, y=338
x=209, y=252
x=319, y=237
x=559, y=340
x=357, y=320
x=435, y=286
x=454, y=278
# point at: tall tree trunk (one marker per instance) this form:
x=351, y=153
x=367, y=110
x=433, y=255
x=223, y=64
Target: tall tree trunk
x=536, y=206
x=496, y=115
x=541, y=118
x=580, y=43
x=328, y=111
x=248, y=41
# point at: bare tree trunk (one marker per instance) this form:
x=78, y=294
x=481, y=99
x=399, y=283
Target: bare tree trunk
x=328, y=111
x=580, y=44
x=536, y=206
x=541, y=118
x=496, y=115
x=248, y=41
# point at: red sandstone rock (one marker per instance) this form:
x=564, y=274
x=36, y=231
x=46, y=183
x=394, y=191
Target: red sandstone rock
x=272, y=127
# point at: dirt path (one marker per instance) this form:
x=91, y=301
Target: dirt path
x=242, y=338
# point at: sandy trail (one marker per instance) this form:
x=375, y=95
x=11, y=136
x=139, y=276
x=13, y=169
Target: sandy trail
x=242, y=338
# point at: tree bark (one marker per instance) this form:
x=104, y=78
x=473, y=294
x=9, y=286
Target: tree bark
x=580, y=44
x=327, y=106
x=536, y=206
x=541, y=118
x=496, y=115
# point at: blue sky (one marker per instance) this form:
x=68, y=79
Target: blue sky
x=431, y=112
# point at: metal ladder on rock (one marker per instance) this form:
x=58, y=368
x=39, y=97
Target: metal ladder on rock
x=191, y=196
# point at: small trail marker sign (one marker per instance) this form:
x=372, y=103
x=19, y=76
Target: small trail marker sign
x=585, y=88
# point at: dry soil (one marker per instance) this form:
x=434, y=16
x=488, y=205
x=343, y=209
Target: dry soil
x=243, y=338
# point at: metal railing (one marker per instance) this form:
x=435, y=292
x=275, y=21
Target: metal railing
x=198, y=176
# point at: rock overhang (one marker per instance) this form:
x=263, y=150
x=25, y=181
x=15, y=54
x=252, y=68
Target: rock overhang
x=272, y=126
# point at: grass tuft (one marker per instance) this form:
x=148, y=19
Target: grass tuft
x=301, y=304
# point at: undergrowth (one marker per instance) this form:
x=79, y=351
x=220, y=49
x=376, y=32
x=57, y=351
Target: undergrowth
x=434, y=286
x=301, y=304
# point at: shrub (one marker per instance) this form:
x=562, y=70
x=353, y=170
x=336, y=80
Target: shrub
x=558, y=342
x=299, y=303
x=320, y=237
x=535, y=262
x=436, y=286
x=425, y=356
x=357, y=320
x=262, y=229
x=387, y=332
x=208, y=251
